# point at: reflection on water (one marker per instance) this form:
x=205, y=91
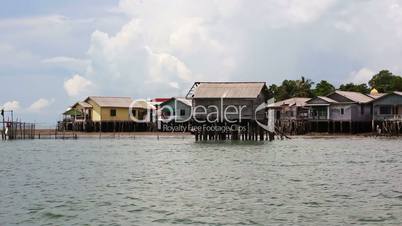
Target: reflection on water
x=177, y=181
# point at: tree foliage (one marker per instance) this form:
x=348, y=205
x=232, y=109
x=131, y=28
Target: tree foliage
x=292, y=88
x=323, y=88
x=386, y=82
x=361, y=88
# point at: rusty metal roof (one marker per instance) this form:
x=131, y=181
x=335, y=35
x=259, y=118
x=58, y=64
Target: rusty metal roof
x=228, y=89
x=355, y=96
x=117, y=102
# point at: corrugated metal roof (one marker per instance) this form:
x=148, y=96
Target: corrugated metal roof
x=298, y=101
x=184, y=101
x=228, y=89
x=387, y=94
x=82, y=104
x=117, y=102
x=181, y=99
x=142, y=104
x=378, y=95
x=327, y=99
x=355, y=96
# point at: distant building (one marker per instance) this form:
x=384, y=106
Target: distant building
x=235, y=100
x=388, y=107
x=108, y=114
x=291, y=109
x=176, y=108
x=341, y=106
x=320, y=108
x=356, y=106
x=109, y=108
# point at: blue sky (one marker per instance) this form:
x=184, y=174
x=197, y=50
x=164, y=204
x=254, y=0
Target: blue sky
x=54, y=53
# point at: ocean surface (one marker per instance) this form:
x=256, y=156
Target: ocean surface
x=175, y=181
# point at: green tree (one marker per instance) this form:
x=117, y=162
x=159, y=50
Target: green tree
x=303, y=88
x=273, y=91
x=361, y=88
x=292, y=88
x=386, y=82
x=323, y=88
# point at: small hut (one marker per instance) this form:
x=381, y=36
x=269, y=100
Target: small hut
x=238, y=104
x=291, y=115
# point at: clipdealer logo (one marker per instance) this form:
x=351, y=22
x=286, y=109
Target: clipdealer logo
x=141, y=111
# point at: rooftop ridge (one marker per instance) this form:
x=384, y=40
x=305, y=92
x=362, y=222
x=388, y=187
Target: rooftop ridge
x=232, y=82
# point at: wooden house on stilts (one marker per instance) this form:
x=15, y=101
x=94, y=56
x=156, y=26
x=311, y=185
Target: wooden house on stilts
x=107, y=114
x=229, y=110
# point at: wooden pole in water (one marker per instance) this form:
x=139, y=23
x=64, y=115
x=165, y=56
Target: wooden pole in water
x=3, y=135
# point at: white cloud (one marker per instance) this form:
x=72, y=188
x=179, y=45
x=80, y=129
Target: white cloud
x=361, y=76
x=166, y=45
x=11, y=105
x=77, y=85
x=40, y=105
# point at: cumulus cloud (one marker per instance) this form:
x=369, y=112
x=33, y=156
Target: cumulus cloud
x=189, y=41
x=77, y=85
x=11, y=105
x=166, y=45
x=40, y=105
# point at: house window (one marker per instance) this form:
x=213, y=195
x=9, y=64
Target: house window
x=112, y=112
x=182, y=112
x=342, y=111
x=385, y=110
x=362, y=109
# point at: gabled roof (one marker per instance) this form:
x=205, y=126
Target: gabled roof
x=117, y=102
x=72, y=112
x=228, y=89
x=181, y=99
x=295, y=101
x=142, y=104
x=82, y=104
x=184, y=101
x=378, y=95
x=325, y=99
x=354, y=96
x=387, y=94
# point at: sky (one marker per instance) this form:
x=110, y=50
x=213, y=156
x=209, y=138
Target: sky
x=54, y=53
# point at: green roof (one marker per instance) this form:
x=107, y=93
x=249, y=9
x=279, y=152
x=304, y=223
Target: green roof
x=72, y=112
